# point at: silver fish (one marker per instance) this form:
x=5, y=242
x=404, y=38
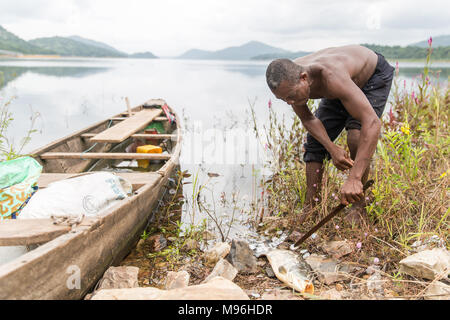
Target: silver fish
x=291, y=270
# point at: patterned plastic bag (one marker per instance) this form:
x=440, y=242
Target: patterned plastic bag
x=18, y=182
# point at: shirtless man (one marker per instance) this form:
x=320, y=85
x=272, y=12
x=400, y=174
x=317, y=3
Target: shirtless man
x=354, y=84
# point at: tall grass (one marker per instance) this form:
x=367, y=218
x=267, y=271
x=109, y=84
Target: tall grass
x=10, y=149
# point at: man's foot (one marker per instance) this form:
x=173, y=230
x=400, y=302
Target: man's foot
x=356, y=215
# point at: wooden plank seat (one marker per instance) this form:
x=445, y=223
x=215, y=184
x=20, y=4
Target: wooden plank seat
x=139, y=135
x=104, y=155
x=124, y=118
x=22, y=232
x=137, y=179
x=126, y=128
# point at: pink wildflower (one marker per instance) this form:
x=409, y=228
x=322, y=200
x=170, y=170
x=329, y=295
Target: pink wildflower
x=270, y=103
x=376, y=260
x=359, y=245
x=367, y=198
x=365, y=234
x=317, y=170
x=316, y=199
x=430, y=41
x=412, y=95
x=337, y=227
x=314, y=185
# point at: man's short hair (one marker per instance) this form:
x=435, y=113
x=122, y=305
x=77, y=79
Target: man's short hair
x=282, y=70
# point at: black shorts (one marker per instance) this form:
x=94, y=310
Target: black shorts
x=335, y=117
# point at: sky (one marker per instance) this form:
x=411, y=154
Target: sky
x=171, y=27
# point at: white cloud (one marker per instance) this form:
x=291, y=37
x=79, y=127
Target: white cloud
x=173, y=26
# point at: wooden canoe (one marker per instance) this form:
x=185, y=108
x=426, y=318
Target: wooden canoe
x=67, y=264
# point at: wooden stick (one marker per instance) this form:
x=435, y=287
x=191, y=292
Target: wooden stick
x=128, y=106
x=106, y=155
x=139, y=135
x=124, y=118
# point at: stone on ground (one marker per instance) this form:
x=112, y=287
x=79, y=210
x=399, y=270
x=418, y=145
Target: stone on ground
x=331, y=294
x=327, y=270
x=427, y=264
x=175, y=280
x=241, y=257
x=338, y=249
x=119, y=278
x=222, y=269
x=216, y=289
x=438, y=291
x=375, y=285
x=217, y=252
x=277, y=294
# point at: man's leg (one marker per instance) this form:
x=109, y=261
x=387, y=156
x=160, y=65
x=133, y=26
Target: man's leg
x=358, y=208
x=314, y=171
x=332, y=114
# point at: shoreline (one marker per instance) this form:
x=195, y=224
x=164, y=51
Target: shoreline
x=49, y=57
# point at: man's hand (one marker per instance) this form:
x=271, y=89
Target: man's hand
x=341, y=158
x=351, y=191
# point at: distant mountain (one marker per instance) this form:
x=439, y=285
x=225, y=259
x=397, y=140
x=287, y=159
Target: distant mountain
x=11, y=42
x=69, y=47
x=143, y=55
x=243, y=52
x=96, y=44
x=287, y=55
x=439, y=41
x=195, y=54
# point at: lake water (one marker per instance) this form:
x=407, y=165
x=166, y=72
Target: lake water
x=212, y=96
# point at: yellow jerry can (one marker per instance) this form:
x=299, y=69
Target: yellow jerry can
x=147, y=149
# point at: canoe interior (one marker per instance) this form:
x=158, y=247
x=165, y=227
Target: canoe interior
x=79, y=143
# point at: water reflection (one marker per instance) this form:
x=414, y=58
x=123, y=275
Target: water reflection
x=9, y=73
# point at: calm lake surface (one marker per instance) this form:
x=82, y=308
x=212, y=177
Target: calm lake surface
x=212, y=96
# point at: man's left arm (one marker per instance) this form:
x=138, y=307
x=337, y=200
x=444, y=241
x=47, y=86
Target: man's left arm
x=357, y=105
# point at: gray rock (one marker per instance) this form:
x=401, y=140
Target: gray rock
x=222, y=269
x=175, y=280
x=241, y=257
x=270, y=272
x=427, y=264
x=119, y=278
x=327, y=270
x=375, y=284
x=372, y=269
x=338, y=249
x=438, y=291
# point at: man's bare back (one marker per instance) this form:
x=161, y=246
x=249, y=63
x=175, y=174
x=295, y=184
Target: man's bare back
x=356, y=61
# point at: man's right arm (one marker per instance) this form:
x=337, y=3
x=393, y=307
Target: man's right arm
x=315, y=127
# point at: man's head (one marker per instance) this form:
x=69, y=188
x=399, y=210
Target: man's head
x=288, y=81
